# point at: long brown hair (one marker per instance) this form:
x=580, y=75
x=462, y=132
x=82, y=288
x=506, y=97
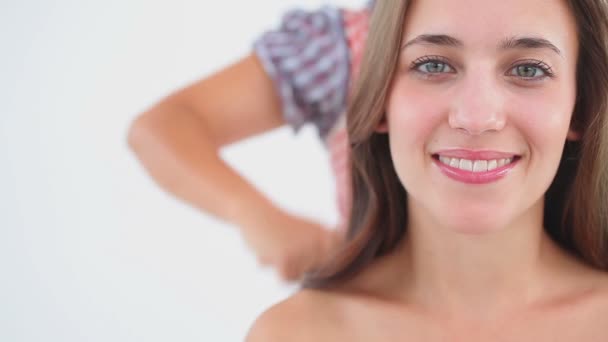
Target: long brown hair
x=576, y=203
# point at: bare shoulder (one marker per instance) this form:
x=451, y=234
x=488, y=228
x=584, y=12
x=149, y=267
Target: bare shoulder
x=301, y=317
x=341, y=313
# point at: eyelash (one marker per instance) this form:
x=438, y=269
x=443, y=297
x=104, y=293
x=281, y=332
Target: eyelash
x=544, y=67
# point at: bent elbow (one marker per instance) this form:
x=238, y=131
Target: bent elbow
x=145, y=129
x=137, y=131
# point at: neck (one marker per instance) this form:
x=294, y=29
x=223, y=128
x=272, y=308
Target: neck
x=478, y=274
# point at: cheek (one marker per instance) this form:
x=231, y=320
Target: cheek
x=543, y=119
x=413, y=113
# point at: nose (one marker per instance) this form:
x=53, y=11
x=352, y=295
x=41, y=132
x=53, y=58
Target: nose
x=479, y=107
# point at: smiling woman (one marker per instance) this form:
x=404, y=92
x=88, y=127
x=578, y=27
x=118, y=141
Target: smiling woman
x=479, y=140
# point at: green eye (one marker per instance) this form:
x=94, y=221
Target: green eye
x=433, y=67
x=528, y=71
x=532, y=70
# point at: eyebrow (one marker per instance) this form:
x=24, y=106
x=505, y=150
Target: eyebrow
x=528, y=43
x=434, y=39
x=506, y=44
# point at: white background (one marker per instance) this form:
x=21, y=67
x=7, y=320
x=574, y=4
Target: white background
x=90, y=248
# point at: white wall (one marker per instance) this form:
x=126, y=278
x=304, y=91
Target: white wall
x=90, y=248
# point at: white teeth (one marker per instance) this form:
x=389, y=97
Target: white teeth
x=475, y=165
x=466, y=164
x=480, y=166
x=492, y=164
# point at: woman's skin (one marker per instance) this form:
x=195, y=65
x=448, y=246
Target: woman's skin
x=178, y=142
x=476, y=264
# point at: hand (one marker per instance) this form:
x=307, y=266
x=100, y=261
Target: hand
x=291, y=245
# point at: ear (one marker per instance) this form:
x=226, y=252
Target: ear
x=382, y=126
x=574, y=132
x=573, y=135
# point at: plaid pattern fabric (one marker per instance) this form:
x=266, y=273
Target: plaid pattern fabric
x=312, y=57
x=308, y=59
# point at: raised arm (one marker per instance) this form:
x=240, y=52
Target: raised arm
x=178, y=140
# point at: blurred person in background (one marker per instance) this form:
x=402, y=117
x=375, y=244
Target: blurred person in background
x=297, y=74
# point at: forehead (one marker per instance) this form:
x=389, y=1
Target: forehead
x=486, y=22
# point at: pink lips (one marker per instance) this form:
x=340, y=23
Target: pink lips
x=470, y=177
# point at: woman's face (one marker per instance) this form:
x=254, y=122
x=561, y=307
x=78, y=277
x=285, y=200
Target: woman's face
x=480, y=108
